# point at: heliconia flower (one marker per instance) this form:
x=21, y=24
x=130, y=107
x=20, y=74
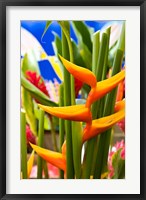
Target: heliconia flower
x=102, y=124
x=29, y=136
x=78, y=86
x=37, y=81
x=74, y=113
x=119, y=105
x=52, y=157
x=103, y=87
x=120, y=92
x=30, y=164
x=81, y=73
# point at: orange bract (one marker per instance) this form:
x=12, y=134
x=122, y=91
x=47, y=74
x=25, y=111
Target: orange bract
x=103, y=87
x=82, y=74
x=102, y=124
x=74, y=113
x=52, y=157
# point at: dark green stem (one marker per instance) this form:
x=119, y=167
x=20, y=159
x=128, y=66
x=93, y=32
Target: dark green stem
x=40, y=143
x=61, y=124
x=67, y=102
x=23, y=146
x=104, y=142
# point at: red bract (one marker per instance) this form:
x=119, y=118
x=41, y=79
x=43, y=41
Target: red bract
x=78, y=86
x=37, y=81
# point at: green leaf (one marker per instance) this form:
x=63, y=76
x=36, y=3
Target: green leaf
x=48, y=23
x=29, y=63
x=36, y=93
x=57, y=46
x=83, y=33
x=84, y=42
x=29, y=109
x=78, y=60
x=86, y=56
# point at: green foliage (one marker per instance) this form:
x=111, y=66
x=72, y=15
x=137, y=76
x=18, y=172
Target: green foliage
x=29, y=63
x=36, y=93
x=29, y=109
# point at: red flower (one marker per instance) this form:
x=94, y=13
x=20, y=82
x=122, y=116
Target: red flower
x=29, y=136
x=37, y=81
x=121, y=124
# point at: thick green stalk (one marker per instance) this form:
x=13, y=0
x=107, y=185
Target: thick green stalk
x=104, y=142
x=23, y=146
x=99, y=69
x=40, y=143
x=67, y=102
x=45, y=167
x=95, y=50
x=104, y=73
x=61, y=125
x=100, y=104
x=121, y=44
x=53, y=134
x=102, y=51
x=89, y=156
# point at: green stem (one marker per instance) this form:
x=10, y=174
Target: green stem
x=105, y=67
x=104, y=142
x=53, y=133
x=40, y=143
x=89, y=156
x=99, y=105
x=61, y=125
x=121, y=44
x=102, y=51
x=67, y=99
x=95, y=50
x=45, y=167
x=23, y=146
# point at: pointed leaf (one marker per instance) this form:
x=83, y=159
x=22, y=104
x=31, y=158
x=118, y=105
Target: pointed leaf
x=83, y=33
x=48, y=23
x=29, y=62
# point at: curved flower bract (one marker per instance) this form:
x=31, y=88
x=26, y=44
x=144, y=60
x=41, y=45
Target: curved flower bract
x=102, y=124
x=82, y=74
x=52, y=157
x=103, y=87
x=74, y=113
x=119, y=105
x=30, y=164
